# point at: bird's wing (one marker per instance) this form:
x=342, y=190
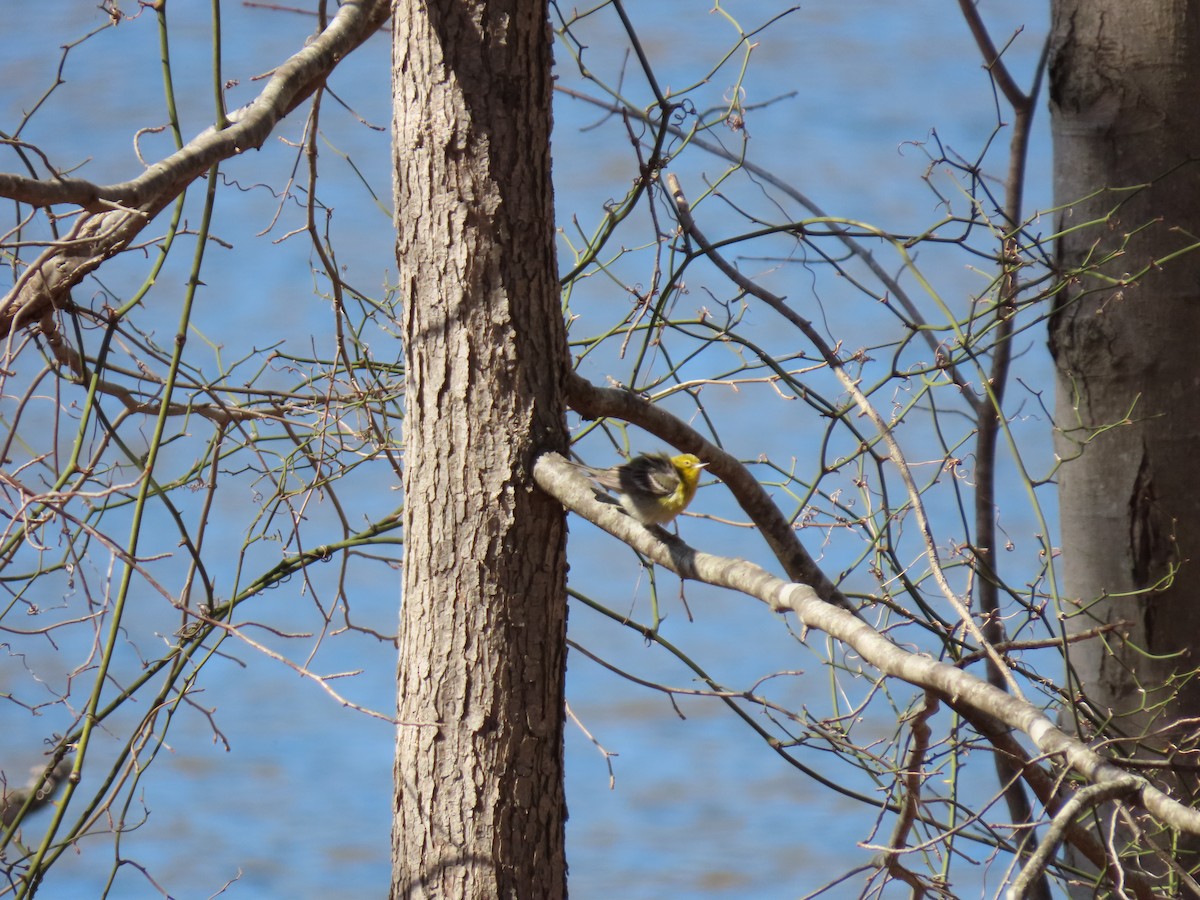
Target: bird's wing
x=651, y=474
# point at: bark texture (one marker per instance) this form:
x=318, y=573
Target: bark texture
x=479, y=791
x=1124, y=79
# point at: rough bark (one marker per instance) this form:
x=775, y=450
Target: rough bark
x=479, y=791
x=1124, y=81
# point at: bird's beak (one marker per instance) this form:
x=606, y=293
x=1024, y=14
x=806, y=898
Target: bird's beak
x=702, y=466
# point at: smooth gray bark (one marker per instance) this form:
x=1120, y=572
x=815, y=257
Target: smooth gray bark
x=1125, y=78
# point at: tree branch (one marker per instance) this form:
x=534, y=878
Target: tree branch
x=1085, y=799
x=850, y=385
x=594, y=402
x=117, y=213
x=963, y=690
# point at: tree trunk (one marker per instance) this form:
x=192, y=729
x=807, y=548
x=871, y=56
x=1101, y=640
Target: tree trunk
x=1125, y=78
x=479, y=780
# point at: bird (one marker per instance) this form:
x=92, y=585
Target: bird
x=652, y=487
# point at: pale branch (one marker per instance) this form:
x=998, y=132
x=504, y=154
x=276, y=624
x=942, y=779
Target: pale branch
x=963, y=690
x=1085, y=799
x=913, y=777
x=1049, y=792
x=115, y=214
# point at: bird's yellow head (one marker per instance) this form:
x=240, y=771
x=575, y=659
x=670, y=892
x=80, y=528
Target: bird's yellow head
x=688, y=468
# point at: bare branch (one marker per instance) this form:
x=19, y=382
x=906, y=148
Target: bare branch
x=1087, y=798
x=558, y=478
x=594, y=402
x=117, y=213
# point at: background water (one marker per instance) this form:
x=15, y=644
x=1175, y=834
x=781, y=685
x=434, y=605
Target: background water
x=298, y=804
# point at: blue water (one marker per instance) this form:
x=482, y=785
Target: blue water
x=289, y=795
